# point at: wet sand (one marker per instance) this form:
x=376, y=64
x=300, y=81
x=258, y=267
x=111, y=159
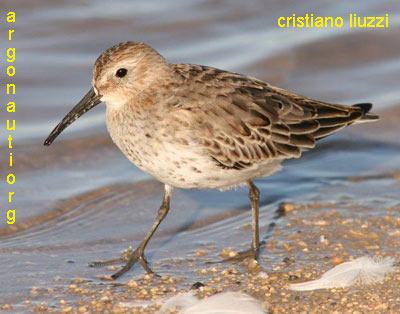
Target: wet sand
x=293, y=253
x=356, y=216
x=80, y=200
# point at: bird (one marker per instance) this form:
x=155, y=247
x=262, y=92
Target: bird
x=198, y=127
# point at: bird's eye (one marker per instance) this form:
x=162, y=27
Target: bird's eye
x=121, y=72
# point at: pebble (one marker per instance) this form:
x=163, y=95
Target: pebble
x=132, y=284
x=233, y=254
x=228, y=252
x=286, y=207
x=67, y=310
x=337, y=260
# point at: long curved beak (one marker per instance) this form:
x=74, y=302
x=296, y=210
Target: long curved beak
x=89, y=101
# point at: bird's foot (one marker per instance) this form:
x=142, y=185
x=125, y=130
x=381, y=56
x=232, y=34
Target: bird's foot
x=126, y=255
x=130, y=259
x=107, y=263
x=251, y=253
x=243, y=255
x=136, y=256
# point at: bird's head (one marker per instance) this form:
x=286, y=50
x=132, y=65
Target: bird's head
x=124, y=71
x=120, y=74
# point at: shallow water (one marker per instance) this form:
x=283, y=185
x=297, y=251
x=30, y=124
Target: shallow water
x=81, y=200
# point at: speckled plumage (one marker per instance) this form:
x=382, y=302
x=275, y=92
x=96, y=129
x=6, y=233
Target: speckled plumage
x=193, y=126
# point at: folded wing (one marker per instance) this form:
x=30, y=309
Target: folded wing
x=244, y=121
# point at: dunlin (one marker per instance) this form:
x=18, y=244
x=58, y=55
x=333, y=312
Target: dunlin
x=193, y=126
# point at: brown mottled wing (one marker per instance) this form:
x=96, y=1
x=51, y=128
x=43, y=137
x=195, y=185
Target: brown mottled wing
x=243, y=121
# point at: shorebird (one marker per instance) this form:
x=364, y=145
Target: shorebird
x=193, y=126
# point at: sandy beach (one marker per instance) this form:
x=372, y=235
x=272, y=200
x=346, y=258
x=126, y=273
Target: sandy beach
x=81, y=200
x=293, y=253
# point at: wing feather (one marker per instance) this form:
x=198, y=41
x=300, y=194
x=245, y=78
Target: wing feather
x=253, y=122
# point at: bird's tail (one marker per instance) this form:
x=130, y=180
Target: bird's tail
x=367, y=117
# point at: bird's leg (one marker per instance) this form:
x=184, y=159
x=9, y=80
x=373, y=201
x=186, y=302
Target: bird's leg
x=254, y=196
x=138, y=254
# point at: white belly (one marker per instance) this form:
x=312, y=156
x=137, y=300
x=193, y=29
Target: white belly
x=175, y=164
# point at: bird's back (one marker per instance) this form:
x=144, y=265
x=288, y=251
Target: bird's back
x=242, y=121
x=207, y=128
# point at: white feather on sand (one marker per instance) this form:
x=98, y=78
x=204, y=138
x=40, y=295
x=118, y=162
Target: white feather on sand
x=221, y=303
x=363, y=270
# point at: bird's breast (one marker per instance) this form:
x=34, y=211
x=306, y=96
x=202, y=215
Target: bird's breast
x=152, y=145
x=156, y=147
